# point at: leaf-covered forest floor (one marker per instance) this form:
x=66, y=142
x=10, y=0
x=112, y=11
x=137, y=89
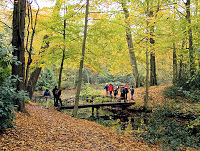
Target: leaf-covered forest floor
x=49, y=129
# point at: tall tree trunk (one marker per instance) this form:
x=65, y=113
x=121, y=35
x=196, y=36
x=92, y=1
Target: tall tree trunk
x=181, y=62
x=191, y=49
x=130, y=46
x=175, y=70
x=153, y=76
x=75, y=111
x=63, y=56
x=147, y=65
x=35, y=74
x=19, y=14
x=33, y=81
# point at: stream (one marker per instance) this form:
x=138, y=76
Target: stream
x=120, y=122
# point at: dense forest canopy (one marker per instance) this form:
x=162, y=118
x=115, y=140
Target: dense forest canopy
x=169, y=29
x=126, y=39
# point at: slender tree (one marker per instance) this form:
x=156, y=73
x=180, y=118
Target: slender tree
x=190, y=38
x=29, y=45
x=78, y=90
x=64, y=50
x=130, y=44
x=147, y=63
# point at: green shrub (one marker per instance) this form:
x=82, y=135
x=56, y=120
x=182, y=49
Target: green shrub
x=164, y=128
x=173, y=92
x=7, y=94
x=87, y=92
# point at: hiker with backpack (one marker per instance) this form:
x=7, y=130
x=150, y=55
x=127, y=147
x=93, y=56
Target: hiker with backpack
x=58, y=97
x=110, y=89
x=116, y=90
x=125, y=91
x=132, y=92
x=106, y=87
x=47, y=94
x=122, y=93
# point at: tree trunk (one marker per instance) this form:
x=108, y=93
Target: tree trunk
x=19, y=14
x=147, y=65
x=33, y=81
x=130, y=46
x=153, y=78
x=75, y=111
x=191, y=49
x=63, y=57
x=175, y=70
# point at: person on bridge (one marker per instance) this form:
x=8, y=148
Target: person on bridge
x=116, y=90
x=132, y=92
x=106, y=87
x=125, y=91
x=122, y=93
x=110, y=89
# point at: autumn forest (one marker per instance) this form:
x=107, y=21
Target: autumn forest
x=81, y=46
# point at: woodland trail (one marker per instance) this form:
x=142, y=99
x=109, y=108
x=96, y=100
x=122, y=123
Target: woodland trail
x=48, y=129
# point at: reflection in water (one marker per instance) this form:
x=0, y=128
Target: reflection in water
x=120, y=123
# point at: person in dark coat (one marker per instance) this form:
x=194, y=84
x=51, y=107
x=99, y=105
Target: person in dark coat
x=58, y=97
x=106, y=87
x=132, y=92
x=116, y=90
x=122, y=93
x=47, y=95
x=126, y=91
x=55, y=91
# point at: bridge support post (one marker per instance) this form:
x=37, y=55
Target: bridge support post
x=92, y=111
x=97, y=112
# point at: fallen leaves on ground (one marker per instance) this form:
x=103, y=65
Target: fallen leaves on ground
x=48, y=129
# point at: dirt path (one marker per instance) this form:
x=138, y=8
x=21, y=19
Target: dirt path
x=48, y=129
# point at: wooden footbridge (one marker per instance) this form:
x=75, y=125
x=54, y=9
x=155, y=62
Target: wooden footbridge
x=69, y=103
x=98, y=105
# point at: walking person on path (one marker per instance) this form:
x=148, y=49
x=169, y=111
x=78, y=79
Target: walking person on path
x=55, y=91
x=110, y=89
x=122, y=93
x=126, y=91
x=116, y=90
x=106, y=87
x=58, y=97
x=47, y=94
x=132, y=92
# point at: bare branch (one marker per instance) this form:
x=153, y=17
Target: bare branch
x=5, y=24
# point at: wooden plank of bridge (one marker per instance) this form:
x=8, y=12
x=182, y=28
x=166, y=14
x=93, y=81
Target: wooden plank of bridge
x=97, y=105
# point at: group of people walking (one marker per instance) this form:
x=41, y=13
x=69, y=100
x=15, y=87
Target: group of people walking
x=57, y=96
x=123, y=91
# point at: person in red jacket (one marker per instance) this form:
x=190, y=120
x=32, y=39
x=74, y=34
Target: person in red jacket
x=110, y=89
